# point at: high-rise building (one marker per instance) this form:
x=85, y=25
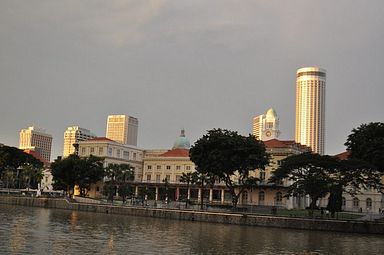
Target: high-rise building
x=310, y=108
x=72, y=136
x=266, y=126
x=122, y=129
x=38, y=140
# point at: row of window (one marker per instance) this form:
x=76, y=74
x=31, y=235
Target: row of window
x=168, y=167
x=100, y=150
x=167, y=178
x=356, y=202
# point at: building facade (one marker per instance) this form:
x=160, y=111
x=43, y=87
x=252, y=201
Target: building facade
x=310, y=108
x=122, y=129
x=37, y=140
x=72, y=136
x=266, y=126
x=270, y=194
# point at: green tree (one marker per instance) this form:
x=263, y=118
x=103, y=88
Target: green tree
x=229, y=157
x=74, y=170
x=308, y=174
x=189, y=179
x=367, y=143
x=12, y=161
x=121, y=177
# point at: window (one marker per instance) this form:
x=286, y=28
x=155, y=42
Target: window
x=188, y=168
x=178, y=167
x=343, y=202
x=245, y=197
x=278, y=162
x=369, y=203
x=279, y=198
x=168, y=167
x=261, y=197
x=148, y=177
x=134, y=156
x=83, y=151
x=101, y=150
x=118, y=153
x=262, y=176
x=149, y=167
x=109, y=151
x=92, y=150
x=126, y=154
x=168, y=177
x=158, y=167
x=355, y=202
x=178, y=178
x=157, y=177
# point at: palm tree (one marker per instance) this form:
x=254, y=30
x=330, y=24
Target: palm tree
x=190, y=179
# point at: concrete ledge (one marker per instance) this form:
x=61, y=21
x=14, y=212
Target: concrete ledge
x=215, y=217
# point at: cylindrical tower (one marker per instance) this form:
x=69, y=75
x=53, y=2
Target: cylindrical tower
x=310, y=108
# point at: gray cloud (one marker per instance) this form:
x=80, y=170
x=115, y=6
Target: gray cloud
x=185, y=64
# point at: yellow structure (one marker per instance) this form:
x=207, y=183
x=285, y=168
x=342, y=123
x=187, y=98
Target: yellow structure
x=122, y=129
x=37, y=140
x=310, y=108
x=73, y=135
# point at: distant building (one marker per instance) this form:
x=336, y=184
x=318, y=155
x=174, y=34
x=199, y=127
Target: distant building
x=113, y=153
x=122, y=129
x=365, y=200
x=266, y=126
x=270, y=194
x=72, y=136
x=37, y=140
x=310, y=108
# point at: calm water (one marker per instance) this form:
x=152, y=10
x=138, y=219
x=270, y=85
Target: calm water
x=26, y=230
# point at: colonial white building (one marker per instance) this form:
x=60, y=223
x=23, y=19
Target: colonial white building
x=266, y=126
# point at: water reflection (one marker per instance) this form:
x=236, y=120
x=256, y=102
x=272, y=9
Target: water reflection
x=26, y=230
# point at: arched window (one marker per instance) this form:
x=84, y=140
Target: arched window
x=279, y=198
x=369, y=203
x=261, y=197
x=355, y=202
x=245, y=197
x=343, y=202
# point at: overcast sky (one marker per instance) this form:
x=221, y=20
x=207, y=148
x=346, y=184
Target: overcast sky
x=185, y=64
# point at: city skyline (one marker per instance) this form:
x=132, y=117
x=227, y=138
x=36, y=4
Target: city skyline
x=197, y=65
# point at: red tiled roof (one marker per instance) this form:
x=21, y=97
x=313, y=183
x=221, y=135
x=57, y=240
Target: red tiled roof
x=176, y=153
x=37, y=156
x=274, y=143
x=100, y=139
x=343, y=156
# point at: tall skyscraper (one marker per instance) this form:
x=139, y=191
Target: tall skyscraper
x=72, y=136
x=122, y=129
x=37, y=140
x=310, y=108
x=266, y=126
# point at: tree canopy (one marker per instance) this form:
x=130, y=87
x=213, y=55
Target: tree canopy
x=316, y=176
x=19, y=169
x=74, y=170
x=367, y=143
x=229, y=157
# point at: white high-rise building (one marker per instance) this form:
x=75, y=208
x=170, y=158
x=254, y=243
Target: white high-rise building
x=73, y=135
x=37, y=140
x=310, y=108
x=122, y=129
x=266, y=126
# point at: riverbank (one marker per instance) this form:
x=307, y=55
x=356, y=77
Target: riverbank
x=214, y=217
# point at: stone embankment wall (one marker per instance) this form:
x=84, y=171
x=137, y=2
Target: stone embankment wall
x=225, y=218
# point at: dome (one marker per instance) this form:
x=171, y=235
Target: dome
x=271, y=113
x=181, y=142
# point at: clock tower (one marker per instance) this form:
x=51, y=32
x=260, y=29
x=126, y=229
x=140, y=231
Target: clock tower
x=266, y=126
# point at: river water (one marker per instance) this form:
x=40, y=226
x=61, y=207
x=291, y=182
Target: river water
x=28, y=230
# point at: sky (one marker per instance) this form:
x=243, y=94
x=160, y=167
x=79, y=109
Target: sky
x=186, y=64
